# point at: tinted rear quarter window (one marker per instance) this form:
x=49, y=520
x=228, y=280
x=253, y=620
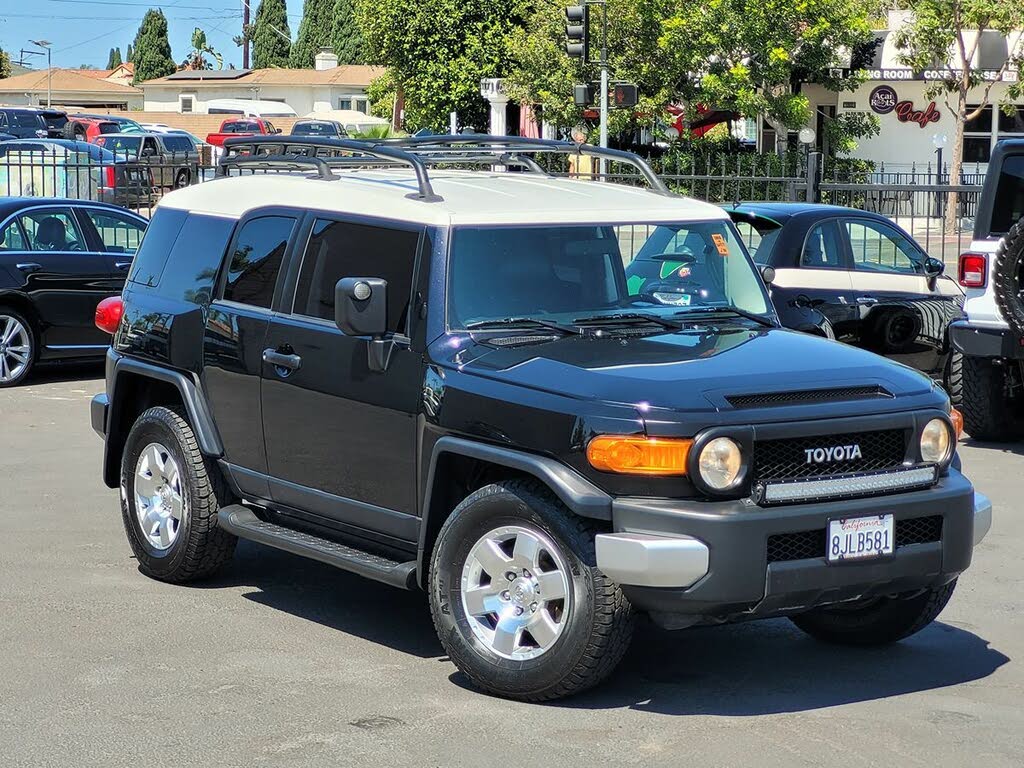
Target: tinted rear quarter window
x=156, y=246
x=256, y=260
x=196, y=258
x=1008, y=207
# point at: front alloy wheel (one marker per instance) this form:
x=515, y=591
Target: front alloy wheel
x=159, y=502
x=514, y=592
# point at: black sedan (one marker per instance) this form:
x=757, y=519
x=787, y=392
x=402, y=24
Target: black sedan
x=856, y=277
x=58, y=259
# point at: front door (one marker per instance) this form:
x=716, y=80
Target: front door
x=341, y=438
x=46, y=249
x=904, y=314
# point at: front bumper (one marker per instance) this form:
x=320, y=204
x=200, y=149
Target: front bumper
x=979, y=341
x=707, y=562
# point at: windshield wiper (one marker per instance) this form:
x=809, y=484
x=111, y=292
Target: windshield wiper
x=627, y=318
x=729, y=310
x=521, y=322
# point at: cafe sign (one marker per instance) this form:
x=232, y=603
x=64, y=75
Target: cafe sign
x=884, y=100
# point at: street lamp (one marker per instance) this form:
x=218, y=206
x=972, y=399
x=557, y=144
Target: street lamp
x=939, y=141
x=49, y=69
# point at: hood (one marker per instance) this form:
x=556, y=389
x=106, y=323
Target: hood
x=692, y=371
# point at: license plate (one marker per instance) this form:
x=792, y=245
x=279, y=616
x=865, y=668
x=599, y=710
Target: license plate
x=860, y=538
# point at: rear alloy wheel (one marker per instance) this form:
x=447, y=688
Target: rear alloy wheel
x=17, y=348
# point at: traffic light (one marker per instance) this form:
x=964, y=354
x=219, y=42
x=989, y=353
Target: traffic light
x=624, y=96
x=577, y=44
x=584, y=95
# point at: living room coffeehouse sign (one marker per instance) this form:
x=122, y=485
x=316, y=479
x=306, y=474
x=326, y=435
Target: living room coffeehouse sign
x=884, y=100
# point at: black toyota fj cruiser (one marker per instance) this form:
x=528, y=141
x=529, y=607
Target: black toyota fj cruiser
x=442, y=378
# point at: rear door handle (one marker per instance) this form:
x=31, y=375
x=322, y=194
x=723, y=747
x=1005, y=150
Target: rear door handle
x=29, y=267
x=124, y=266
x=867, y=300
x=281, y=360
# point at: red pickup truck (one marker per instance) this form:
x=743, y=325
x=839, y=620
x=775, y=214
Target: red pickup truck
x=241, y=126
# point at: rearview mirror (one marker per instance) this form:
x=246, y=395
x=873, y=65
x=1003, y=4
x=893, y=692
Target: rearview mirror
x=767, y=274
x=361, y=306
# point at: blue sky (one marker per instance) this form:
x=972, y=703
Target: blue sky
x=84, y=31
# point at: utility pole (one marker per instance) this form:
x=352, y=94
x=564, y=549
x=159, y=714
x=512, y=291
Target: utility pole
x=577, y=30
x=245, y=34
x=49, y=70
x=604, y=81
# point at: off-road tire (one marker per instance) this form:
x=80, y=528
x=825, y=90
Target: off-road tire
x=883, y=621
x=200, y=547
x=182, y=179
x=33, y=341
x=74, y=131
x=990, y=413
x=953, y=378
x=600, y=619
x=1008, y=277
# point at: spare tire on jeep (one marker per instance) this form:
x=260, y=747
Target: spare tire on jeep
x=74, y=131
x=1008, y=277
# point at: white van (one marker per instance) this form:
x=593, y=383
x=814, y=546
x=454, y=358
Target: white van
x=249, y=108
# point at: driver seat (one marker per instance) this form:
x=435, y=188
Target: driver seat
x=52, y=234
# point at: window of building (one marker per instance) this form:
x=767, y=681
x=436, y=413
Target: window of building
x=355, y=103
x=256, y=260
x=340, y=249
x=187, y=104
x=1012, y=126
x=978, y=136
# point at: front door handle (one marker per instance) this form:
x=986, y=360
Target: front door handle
x=29, y=267
x=124, y=266
x=282, y=360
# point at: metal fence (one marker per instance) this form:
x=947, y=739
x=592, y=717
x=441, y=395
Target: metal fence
x=918, y=199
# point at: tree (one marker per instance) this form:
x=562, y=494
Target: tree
x=129, y=54
x=314, y=32
x=753, y=57
x=114, y=59
x=346, y=36
x=5, y=64
x=271, y=36
x=152, y=54
x=437, y=51
x=944, y=35
x=200, y=50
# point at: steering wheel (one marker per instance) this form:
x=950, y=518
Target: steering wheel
x=74, y=246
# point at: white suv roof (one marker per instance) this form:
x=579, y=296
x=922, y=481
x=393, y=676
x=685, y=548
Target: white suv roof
x=467, y=197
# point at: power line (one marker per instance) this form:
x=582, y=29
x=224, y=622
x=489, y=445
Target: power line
x=113, y=18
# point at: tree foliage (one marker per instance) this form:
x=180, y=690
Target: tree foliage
x=5, y=64
x=939, y=27
x=114, y=58
x=200, y=50
x=346, y=36
x=152, y=49
x=129, y=53
x=271, y=37
x=315, y=31
x=437, y=51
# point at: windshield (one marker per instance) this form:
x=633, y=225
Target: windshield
x=564, y=273
x=314, y=129
x=241, y=126
x=121, y=145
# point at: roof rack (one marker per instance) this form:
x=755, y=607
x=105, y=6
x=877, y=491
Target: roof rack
x=419, y=153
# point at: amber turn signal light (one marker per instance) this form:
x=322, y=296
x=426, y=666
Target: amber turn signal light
x=958, y=422
x=639, y=455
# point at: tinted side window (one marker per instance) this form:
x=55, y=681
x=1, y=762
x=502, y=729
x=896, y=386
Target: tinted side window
x=196, y=258
x=11, y=238
x=256, y=260
x=53, y=229
x=822, y=249
x=119, y=234
x=1008, y=207
x=156, y=246
x=340, y=249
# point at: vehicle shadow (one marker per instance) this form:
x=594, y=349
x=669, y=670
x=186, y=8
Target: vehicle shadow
x=1015, y=448
x=53, y=373
x=334, y=598
x=765, y=667
x=770, y=667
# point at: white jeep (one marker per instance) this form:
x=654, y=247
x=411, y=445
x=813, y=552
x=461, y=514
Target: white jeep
x=991, y=334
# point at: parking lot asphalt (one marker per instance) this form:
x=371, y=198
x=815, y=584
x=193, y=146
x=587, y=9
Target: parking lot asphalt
x=283, y=662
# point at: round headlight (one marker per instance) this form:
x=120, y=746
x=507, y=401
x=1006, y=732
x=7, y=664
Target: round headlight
x=720, y=463
x=936, y=442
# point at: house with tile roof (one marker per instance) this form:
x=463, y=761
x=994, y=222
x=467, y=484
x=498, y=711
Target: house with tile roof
x=82, y=88
x=325, y=87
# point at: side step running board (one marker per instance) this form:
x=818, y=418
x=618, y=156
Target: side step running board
x=242, y=522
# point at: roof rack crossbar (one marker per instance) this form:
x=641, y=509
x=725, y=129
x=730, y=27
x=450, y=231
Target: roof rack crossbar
x=370, y=149
x=483, y=142
x=279, y=162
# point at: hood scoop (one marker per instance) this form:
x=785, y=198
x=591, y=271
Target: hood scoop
x=771, y=399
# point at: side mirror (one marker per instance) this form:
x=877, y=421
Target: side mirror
x=361, y=306
x=934, y=267
x=767, y=274
x=277, y=130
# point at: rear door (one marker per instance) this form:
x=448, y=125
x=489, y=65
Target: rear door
x=64, y=276
x=116, y=234
x=903, y=313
